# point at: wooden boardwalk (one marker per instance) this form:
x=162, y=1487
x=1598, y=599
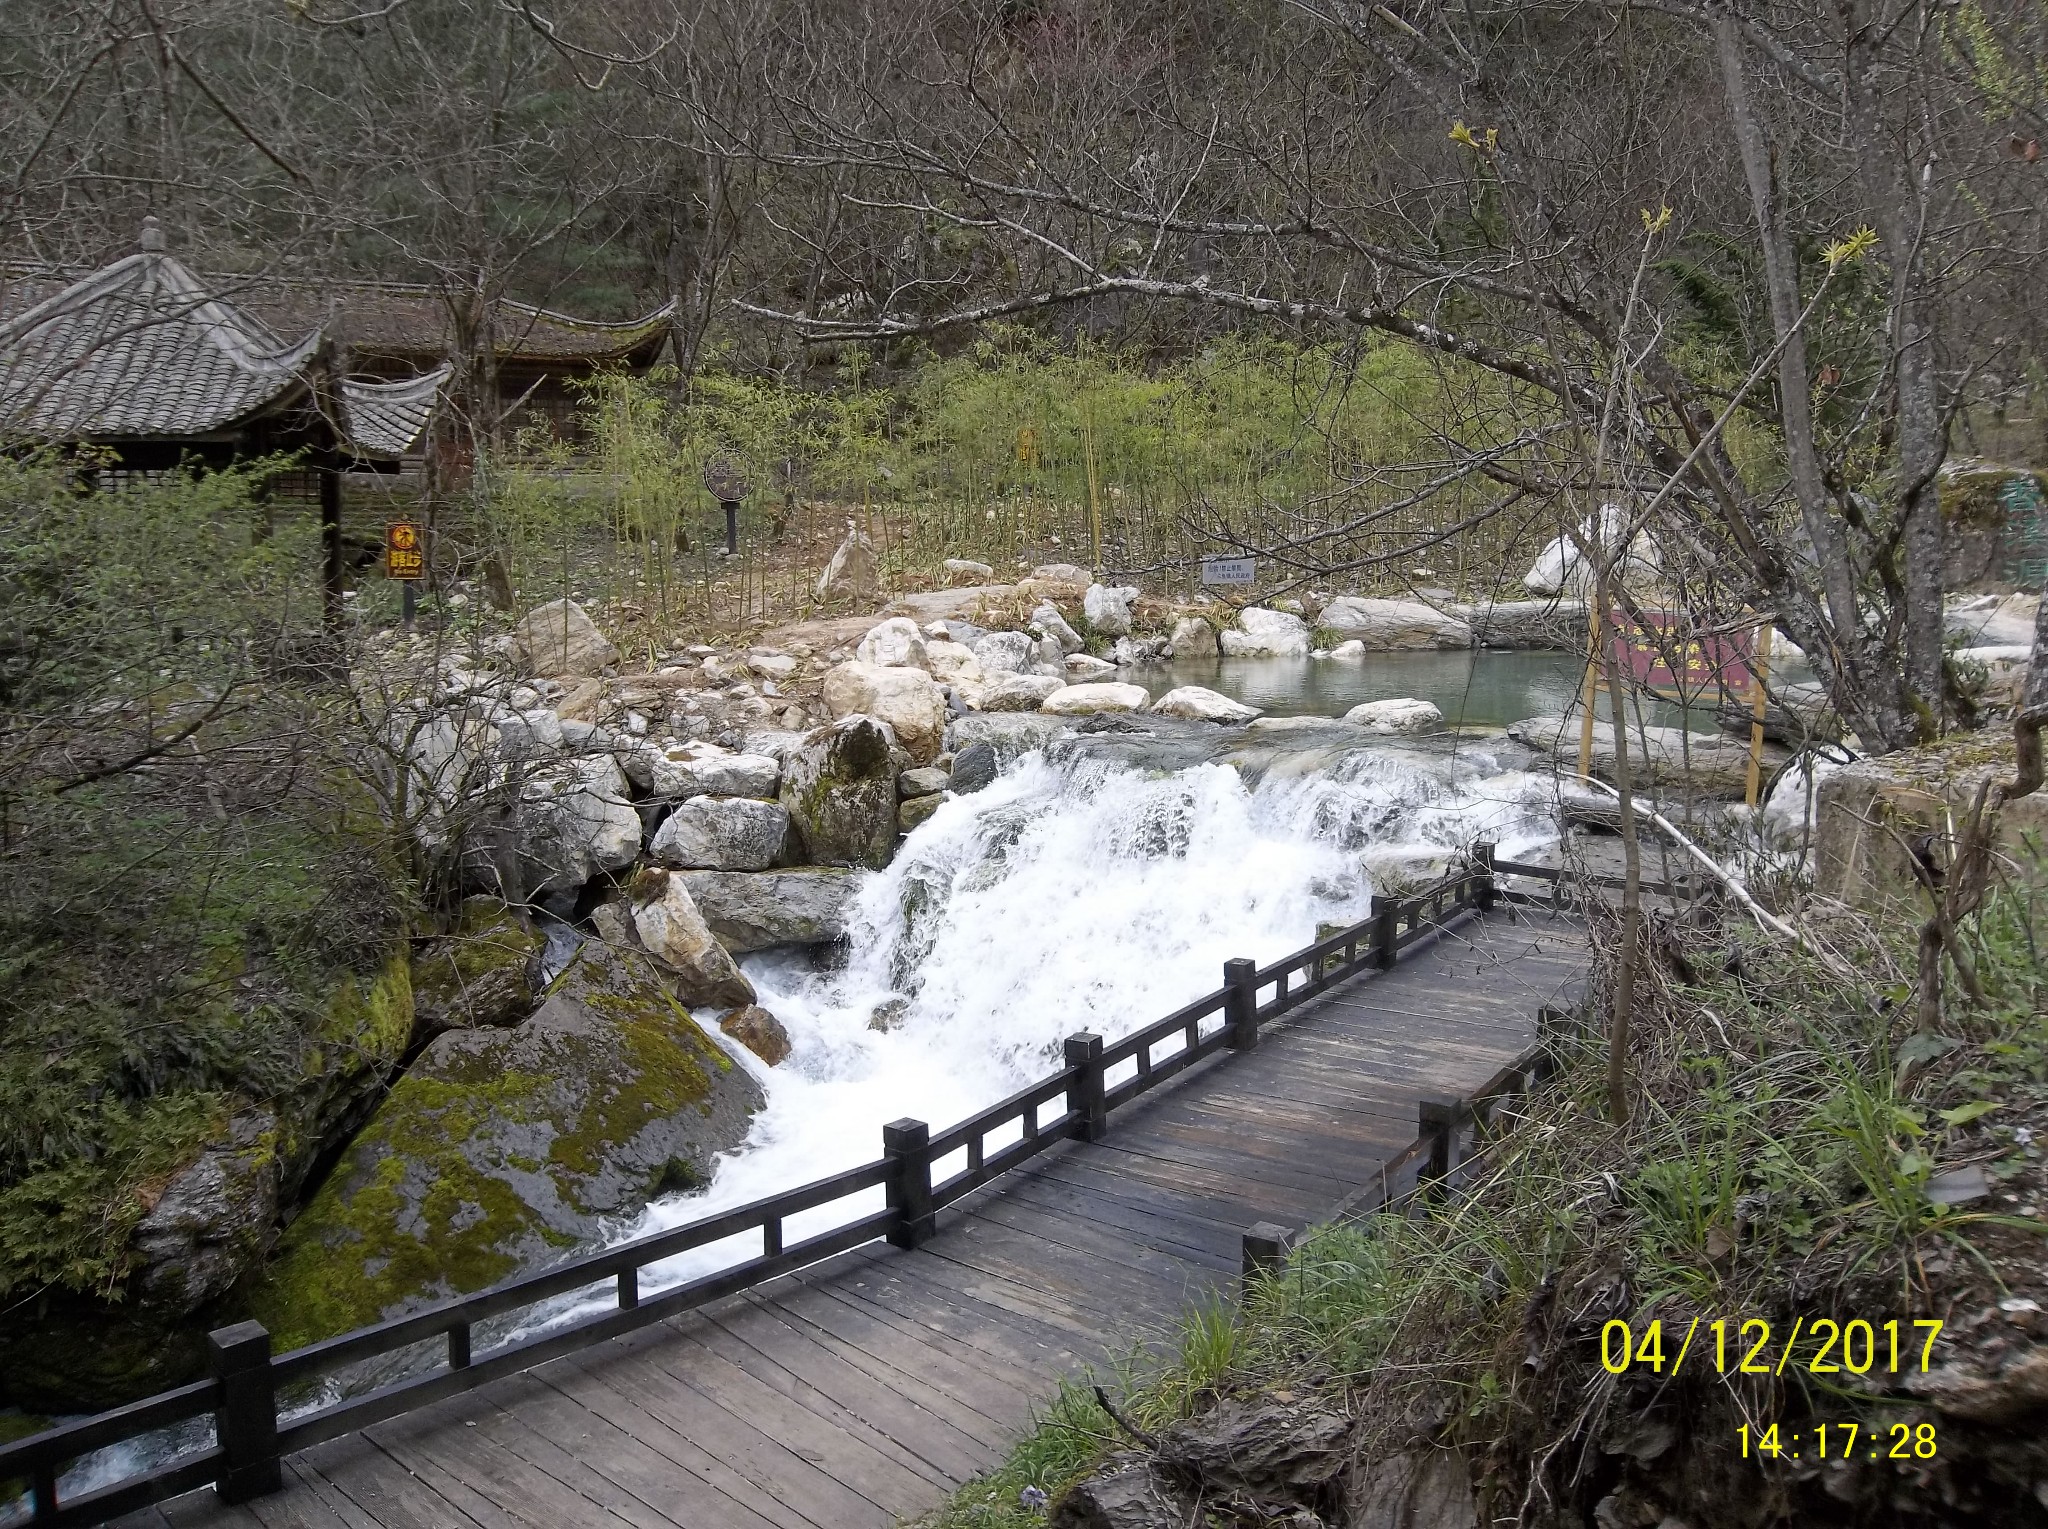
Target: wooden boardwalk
x=862, y=1390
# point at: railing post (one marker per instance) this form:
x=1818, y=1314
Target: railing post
x=1386, y=931
x=1266, y=1246
x=1482, y=876
x=1084, y=1095
x=1241, y=1008
x=907, y=1146
x=1438, y=1120
x=245, y=1416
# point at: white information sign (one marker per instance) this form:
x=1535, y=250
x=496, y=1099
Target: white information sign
x=1229, y=570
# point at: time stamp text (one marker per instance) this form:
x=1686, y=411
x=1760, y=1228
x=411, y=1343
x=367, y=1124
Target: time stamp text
x=1821, y=1346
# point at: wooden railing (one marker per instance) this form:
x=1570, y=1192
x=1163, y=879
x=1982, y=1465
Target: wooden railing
x=248, y=1394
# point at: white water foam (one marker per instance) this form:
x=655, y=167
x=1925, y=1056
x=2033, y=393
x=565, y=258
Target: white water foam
x=1085, y=895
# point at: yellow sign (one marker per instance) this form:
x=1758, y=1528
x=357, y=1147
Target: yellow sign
x=405, y=553
x=1027, y=447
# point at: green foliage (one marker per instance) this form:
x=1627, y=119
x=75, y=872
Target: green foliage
x=180, y=935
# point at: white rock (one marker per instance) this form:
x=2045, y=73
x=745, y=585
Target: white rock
x=723, y=775
x=1087, y=700
x=894, y=644
x=530, y=734
x=1062, y=573
x=853, y=571
x=1398, y=716
x=772, y=666
x=717, y=833
x=1559, y=567
x=1192, y=638
x=574, y=820
x=1388, y=625
x=1019, y=692
x=1006, y=652
x=1083, y=666
x=909, y=700
x=560, y=638
x=968, y=568
x=1048, y=622
x=1350, y=651
x=1108, y=608
x=1992, y=622
x=1200, y=705
x=1261, y=633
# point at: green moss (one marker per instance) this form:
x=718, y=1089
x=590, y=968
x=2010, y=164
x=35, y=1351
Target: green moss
x=364, y=1246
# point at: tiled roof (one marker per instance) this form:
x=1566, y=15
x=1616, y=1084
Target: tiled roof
x=408, y=322
x=142, y=349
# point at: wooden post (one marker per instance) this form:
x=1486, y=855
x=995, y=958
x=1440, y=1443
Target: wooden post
x=1438, y=1120
x=1482, y=881
x=1759, y=705
x=333, y=575
x=1386, y=931
x=907, y=1146
x=1589, y=696
x=245, y=1416
x=1241, y=1008
x=1084, y=1094
x=1266, y=1246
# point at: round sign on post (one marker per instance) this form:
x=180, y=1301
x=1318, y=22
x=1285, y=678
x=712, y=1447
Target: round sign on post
x=723, y=482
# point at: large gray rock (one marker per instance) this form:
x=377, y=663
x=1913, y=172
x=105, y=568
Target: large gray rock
x=1193, y=638
x=1010, y=734
x=1088, y=700
x=1262, y=633
x=1062, y=573
x=974, y=766
x=1658, y=756
x=757, y=910
x=482, y=972
x=840, y=789
x=1559, y=568
x=1048, y=622
x=1197, y=704
x=1006, y=652
x=909, y=700
x=1108, y=608
x=667, y=925
x=560, y=639
x=712, y=774
x=1082, y=667
x=574, y=820
x=893, y=644
x=1393, y=625
x=212, y=1220
x=1018, y=692
x=1403, y=715
x=1527, y=623
x=503, y=1151
x=721, y=833
x=853, y=572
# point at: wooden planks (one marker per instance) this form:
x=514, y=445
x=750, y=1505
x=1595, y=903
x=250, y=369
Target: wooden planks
x=860, y=1391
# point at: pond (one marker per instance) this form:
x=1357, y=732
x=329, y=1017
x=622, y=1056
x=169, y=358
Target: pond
x=1471, y=688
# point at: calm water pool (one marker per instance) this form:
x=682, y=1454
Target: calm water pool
x=1472, y=689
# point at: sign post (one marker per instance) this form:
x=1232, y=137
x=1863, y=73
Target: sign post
x=405, y=559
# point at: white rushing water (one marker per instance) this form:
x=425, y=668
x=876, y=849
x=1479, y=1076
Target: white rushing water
x=1085, y=895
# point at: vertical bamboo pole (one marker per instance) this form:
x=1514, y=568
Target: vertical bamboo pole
x=1759, y=702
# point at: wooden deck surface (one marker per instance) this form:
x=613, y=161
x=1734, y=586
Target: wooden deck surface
x=861, y=1391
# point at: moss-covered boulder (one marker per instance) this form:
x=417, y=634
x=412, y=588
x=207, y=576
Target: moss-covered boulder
x=840, y=788
x=500, y=1150
x=482, y=972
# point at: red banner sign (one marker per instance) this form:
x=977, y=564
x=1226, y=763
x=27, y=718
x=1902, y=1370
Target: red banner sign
x=1664, y=651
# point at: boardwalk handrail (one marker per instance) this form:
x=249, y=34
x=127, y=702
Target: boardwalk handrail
x=251, y=1434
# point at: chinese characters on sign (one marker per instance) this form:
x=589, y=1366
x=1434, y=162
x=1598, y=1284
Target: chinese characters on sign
x=1228, y=570
x=1661, y=653
x=405, y=551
